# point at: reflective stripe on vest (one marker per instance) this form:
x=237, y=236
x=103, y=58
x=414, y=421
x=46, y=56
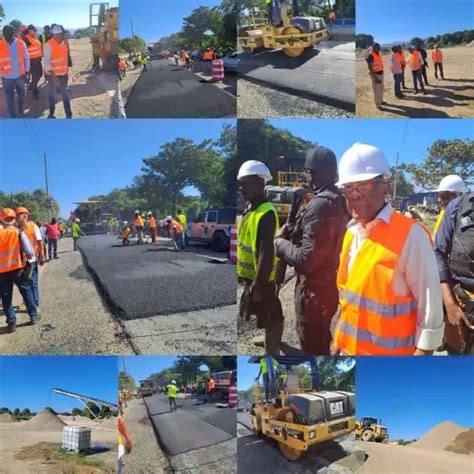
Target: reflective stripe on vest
x=437, y=56
x=35, y=49
x=10, y=256
x=247, y=243
x=5, y=59
x=374, y=320
x=58, y=59
x=415, y=61
x=377, y=65
x=438, y=222
x=30, y=233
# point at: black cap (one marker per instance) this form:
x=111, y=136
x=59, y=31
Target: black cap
x=31, y=27
x=320, y=157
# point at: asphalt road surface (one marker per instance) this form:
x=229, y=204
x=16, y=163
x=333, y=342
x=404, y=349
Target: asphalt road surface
x=145, y=280
x=169, y=91
x=325, y=73
x=192, y=426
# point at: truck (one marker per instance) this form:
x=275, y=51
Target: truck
x=222, y=383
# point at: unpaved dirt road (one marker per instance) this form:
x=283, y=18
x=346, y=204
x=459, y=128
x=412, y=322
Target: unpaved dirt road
x=393, y=459
x=93, y=94
x=451, y=98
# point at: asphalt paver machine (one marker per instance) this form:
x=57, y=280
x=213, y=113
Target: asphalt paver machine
x=299, y=413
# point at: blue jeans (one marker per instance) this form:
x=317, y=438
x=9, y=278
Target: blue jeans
x=52, y=248
x=397, y=80
x=182, y=241
x=9, y=86
x=418, y=78
x=7, y=280
x=34, y=283
x=64, y=93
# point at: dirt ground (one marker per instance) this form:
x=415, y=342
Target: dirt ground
x=451, y=98
x=25, y=451
x=93, y=94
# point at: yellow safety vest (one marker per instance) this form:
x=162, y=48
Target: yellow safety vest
x=263, y=365
x=182, y=220
x=247, y=243
x=438, y=222
x=172, y=389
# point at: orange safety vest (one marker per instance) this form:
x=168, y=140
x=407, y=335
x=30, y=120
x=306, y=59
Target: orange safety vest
x=403, y=60
x=210, y=385
x=139, y=221
x=377, y=65
x=5, y=59
x=152, y=222
x=415, y=61
x=10, y=255
x=59, y=54
x=35, y=49
x=178, y=228
x=374, y=320
x=437, y=57
x=30, y=233
x=398, y=60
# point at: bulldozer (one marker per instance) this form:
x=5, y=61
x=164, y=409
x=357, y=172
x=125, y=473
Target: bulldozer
x=371, y=429
x=299, y=414
x=293, y=34
x=105, y=42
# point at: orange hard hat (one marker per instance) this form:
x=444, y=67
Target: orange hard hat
x=8, y=213
x=22, y=210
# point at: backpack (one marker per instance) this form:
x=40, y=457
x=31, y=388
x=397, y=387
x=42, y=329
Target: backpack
x=461, y=259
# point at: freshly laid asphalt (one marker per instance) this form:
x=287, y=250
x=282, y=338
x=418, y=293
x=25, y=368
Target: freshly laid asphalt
x=324, y=73
x=191, y=426
x=169, y=91
x=147, y=280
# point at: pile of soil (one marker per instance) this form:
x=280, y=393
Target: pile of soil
x=108, y=423
x=439, y=436
x=6, y=418
x=45, y=420
x=463, y=443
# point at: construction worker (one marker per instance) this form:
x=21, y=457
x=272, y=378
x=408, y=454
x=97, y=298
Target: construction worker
x=62, y=229
x=144, y=62
x=210, y=385
x=387, y=278
x=56, y=60
x=138, y=223
x=52, y=233
x=35, y=52
x=152, y=225
x=396, y=69
x=403, y=62
x=14, y=68
x=171, y=391
x=176, y=230
x=415, y=62
x=450, y=187
x=208, y=59
x=124, y=442
x=256, y=259
x=122, y=65
x=437, y=58
x=76, y=232
x=184, y=222
x=265, y=376
x=424, y=62
x=16, y=257
x=36, y=239
x=313, y=250
x=375, y=65
x=454, y=249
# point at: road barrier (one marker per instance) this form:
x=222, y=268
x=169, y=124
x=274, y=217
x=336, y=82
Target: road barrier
x=217, y=70
x=233, y=244
x=233, y=400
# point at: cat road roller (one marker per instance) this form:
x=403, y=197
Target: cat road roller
x=293, y=34
x=369, y=429
x=295, y=417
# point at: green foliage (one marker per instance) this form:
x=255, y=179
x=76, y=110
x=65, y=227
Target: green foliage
x=404, y=187
x=132, y=45
x=447, y=39
x=40, y=206
x=76, y=412
x=364, y=41
x=126, y=381
x=16, y=412
x=92, y=408
x=443, y=158
x=2, y=13
x=404, y=442
x=84, y=33
x=4, y=409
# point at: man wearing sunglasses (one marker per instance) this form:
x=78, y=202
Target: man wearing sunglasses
x=387, y=279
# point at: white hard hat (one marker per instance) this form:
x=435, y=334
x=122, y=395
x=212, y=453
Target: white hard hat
x=452, y=183
x=361, y=163
x=149, y=213
x=137, y=212
x=78, y=220
x=169, y=218
x=173, y=382
x=57, y=30
x=253, y=167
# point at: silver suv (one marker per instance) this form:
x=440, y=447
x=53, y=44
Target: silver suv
x=213, y=227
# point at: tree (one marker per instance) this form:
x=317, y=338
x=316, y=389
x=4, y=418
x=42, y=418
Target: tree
x=404, y=187
x=105, y=412
x=92, y=408
x=126, y=381
x=4, y=409
x=2, y=13
x=26, y=413
x=415, y=41
x=16, y=412
x=40, y=206
x=76, y=412
x=444, y=157
x=132, y=45
x=201, y=20
x=364, y=41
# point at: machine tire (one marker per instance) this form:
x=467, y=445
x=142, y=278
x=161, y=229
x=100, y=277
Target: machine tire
x=367, y=435
x=292, y=52
x=125, y=242
x=291, y=454
x=219, y=242
x=217, y=396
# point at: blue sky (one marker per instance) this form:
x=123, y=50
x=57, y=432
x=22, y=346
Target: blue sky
x=413, y=394
x=154, y=19
x=87, y=157
x=28, y=382
x=402, y=20
x=141, y=367
x=69, y=13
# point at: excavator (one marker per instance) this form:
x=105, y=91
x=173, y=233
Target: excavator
x=105, y=42
x=293, y=34
x=299, y=413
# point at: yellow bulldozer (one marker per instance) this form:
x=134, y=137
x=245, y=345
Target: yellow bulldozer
x=295, y=411
x=293, y=34
x=371, y=429
x=105, y=42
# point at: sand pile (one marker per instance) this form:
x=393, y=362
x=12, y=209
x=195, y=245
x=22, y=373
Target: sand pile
x=45, y=420
x=6, y=418
x=463, y=443
x=439, y=436
x=108, y=423
x=470, y=44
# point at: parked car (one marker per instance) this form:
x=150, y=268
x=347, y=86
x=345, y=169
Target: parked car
x=341, y=27
x=213, y=227
x=231, y=62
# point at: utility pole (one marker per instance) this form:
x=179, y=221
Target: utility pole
x=47, y=185
x=395, y=179
x=133, y=31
